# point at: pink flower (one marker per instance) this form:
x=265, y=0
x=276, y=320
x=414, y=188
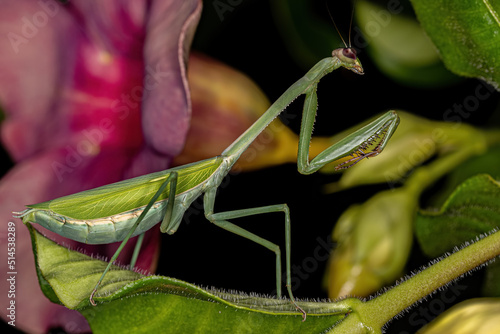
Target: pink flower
x=93, y=93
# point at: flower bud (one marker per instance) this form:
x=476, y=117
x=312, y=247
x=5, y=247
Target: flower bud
x=472, y=316
x=374, y=240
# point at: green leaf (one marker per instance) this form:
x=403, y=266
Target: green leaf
x=472, y=209
x=67, y=277
x=466, y=33
x=130, y=302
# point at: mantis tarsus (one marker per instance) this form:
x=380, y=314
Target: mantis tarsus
x=121, y=210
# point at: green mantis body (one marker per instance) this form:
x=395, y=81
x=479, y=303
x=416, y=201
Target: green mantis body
x=124, y=209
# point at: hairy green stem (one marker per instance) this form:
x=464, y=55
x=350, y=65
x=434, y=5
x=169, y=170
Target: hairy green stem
x=369, y=317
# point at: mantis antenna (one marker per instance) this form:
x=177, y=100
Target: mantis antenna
x=336, y=28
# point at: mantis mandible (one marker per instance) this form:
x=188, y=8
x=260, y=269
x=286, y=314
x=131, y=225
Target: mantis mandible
x=121, y=210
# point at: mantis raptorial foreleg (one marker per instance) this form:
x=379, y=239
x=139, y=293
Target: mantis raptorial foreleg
x=354, y=145
x=306, y=129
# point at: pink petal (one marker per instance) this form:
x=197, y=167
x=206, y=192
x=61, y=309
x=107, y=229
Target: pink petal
x=33, y=181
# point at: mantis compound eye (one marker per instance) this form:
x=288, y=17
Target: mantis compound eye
x=349, y=53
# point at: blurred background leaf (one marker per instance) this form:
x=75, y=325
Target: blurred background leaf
x=487, y=163
x=473, y=208
x=398, y=45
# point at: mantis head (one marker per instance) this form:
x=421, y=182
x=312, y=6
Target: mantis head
x=348, y=59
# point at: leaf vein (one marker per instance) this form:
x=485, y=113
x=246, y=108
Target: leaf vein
x=492, y=11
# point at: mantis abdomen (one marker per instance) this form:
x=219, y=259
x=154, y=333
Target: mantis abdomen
x=97, y=231
x=106, y=214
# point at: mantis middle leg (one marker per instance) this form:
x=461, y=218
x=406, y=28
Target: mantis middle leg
x=221, y=220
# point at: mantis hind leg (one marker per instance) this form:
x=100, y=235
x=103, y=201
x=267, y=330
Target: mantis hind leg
x=172, y=179
x=220, y=219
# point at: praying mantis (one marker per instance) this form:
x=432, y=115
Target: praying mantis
x=122, y=210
